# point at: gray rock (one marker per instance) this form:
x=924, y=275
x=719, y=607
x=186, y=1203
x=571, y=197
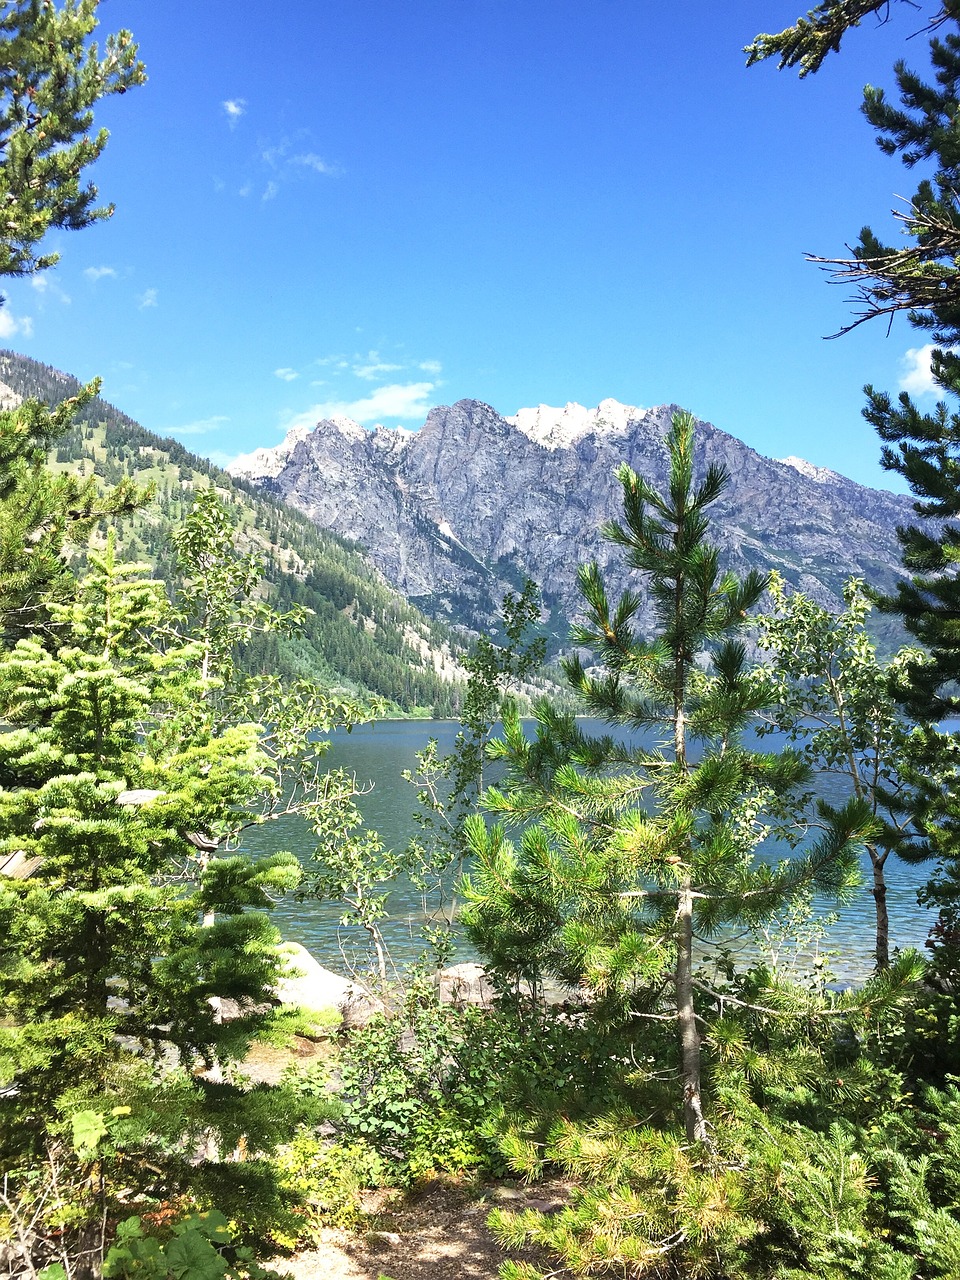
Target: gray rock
x=464, y=984
x=306, y=983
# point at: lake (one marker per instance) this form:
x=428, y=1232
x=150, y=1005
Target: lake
x=378, y=753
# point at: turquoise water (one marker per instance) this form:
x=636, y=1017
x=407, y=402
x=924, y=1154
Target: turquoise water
x=378, y=753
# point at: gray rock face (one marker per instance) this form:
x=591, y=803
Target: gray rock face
x=463, y=510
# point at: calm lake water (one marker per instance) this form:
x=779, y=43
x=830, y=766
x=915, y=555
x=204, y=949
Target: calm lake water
x=378, y=753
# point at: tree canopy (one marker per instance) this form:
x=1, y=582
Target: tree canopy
x=51, y=76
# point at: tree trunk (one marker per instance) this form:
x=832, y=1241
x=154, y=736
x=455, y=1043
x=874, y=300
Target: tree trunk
x=883, y=919
x=693, y=1120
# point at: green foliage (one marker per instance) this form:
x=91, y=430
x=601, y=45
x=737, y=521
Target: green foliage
x=117, y=949
x=830, y=694
x=624, y=851
x=51, y=78
x=199, y=1247
x=40, y=511
x=420, y=1087
x=813, y=38
x=328, y=1180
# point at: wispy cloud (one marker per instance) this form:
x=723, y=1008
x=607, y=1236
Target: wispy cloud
x=288, y=375
x=284, y=161
x=200, y=427
x=404, y=401
x=916, y=376
x=147, y=299
x=374, y=367
x=10, y=325
x=310, y=160
x=234, y=108
x=99, y=273
x=48, y=288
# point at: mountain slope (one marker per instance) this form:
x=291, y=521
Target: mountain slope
x=457, y=513
x=361, y=634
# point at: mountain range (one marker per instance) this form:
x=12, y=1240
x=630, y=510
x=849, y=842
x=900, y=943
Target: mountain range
x=473, y=503
x=359, y=635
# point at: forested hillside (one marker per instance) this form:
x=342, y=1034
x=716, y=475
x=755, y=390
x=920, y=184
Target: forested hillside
x=359, y=633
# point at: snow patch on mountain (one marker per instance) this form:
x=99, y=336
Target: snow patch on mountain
x=556, y=428
x=9, y=398
x=822, y=475
x=268, y=463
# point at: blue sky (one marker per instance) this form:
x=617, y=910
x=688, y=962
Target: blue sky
x=372, y=207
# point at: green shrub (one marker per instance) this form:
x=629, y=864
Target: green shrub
x=198, y=1247
x=327, y=1180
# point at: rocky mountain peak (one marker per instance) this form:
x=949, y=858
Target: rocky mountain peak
x=466, y=508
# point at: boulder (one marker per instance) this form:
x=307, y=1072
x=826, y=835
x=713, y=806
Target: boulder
x=305, y=982
x=464, y=984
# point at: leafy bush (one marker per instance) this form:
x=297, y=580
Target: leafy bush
x=328, y=1179
x=198, y=1247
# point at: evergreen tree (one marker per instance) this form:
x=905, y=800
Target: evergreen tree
x=110, y=958
x=813, y=38
x=41, y=510
x=51, y=77
x=626, y=851
x=922, y=279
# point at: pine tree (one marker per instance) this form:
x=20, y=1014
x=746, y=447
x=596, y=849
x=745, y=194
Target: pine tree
x=41, y=511
x=923, y=280
x=627, y=851
x=811, y=39
x=111, y=959
x=51, y=77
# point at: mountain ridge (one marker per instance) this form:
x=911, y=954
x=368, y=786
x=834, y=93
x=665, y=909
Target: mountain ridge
x=473, y=503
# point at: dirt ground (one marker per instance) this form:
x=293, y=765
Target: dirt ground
x=439, y=1233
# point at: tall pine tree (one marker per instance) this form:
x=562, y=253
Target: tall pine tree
x=51, y=77
x=627, y=851
x=115, y=944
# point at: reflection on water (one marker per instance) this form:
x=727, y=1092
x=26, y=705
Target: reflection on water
x=378, y=753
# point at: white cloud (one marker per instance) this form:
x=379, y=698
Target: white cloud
x=279, y=158
x=374, y=367
x=287, y=375
x=48, y=288
x=431, y=366
x=916, y=377
x=147, y=299
x=11, y=324
x=310, y=160
x=98, y=273
x=409, y=400
x=235, y=108
x=200, y=427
